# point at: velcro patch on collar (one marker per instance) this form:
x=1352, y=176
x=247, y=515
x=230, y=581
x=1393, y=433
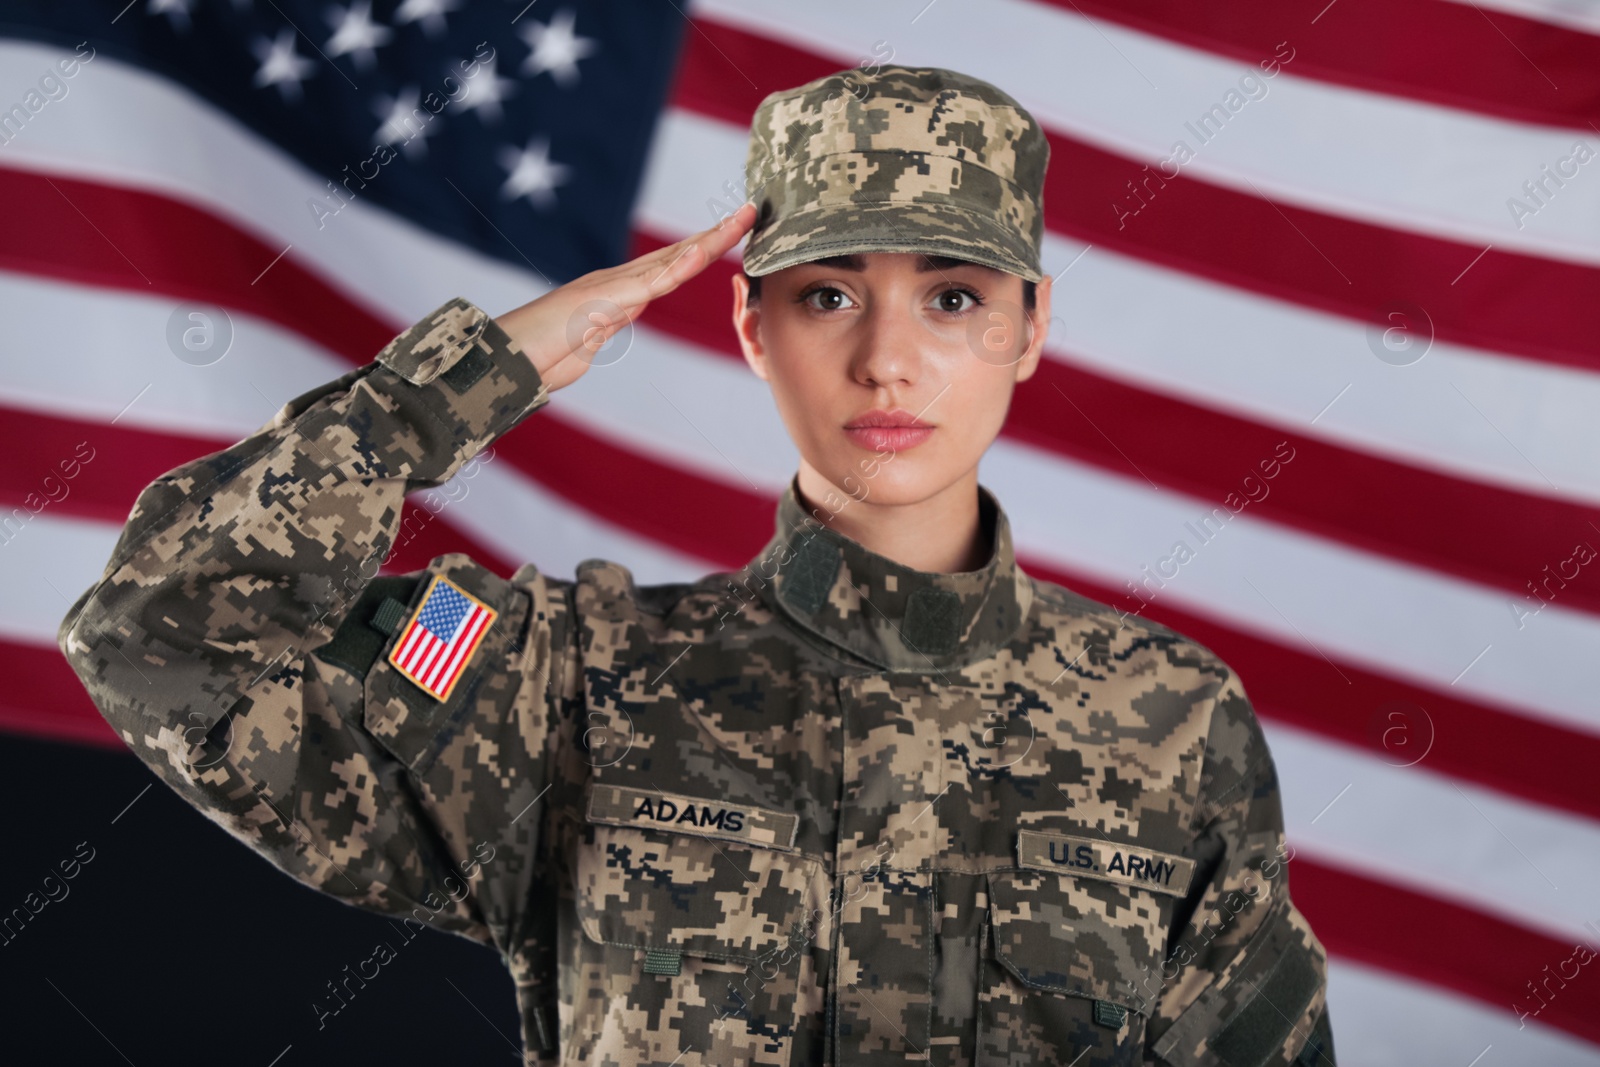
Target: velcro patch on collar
x=653, y=810
x=1110, y=861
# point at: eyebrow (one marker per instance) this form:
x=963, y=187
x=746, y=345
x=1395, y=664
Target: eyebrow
x=925, y=264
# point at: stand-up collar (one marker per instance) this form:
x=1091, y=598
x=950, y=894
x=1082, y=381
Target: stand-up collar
x=886, y=613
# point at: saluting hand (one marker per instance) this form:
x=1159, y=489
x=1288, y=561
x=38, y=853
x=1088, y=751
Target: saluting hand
x=543, y=327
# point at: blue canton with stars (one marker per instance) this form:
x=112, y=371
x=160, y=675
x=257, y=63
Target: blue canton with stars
x=444, y=611
x=535, y=158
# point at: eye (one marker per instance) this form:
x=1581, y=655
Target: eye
x=950, y=300
x=833, y=299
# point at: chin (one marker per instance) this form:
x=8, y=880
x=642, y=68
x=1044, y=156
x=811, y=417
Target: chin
x=902, y=479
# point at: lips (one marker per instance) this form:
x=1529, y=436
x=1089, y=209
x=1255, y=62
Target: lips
x=891, y=431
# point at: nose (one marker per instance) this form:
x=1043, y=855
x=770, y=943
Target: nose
x=888, y=343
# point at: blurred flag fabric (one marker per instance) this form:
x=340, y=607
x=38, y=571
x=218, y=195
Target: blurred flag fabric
x=1319, y=391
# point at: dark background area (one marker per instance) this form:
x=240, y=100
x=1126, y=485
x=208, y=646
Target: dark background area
x=176, y=944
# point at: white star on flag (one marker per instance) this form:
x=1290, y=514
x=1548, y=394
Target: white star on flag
x=484, y=91
x=430, y=13
x=533, y=173
x=556, y=48
x=402, y=123
x=280, y=65
x=355, y=33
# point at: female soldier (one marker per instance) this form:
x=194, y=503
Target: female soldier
x=877, y=796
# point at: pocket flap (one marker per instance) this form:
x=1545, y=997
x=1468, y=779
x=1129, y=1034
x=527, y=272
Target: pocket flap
x=1079, y=936
x=680, y=892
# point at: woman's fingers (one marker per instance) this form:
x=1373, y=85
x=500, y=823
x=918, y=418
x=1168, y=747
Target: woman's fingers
x=655, y=274
x=669, y=267
x=602, y=325
x=718, y=238
x=662, y=279
x=560, y=344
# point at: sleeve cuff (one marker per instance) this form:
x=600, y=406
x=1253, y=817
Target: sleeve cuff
x=461, y=367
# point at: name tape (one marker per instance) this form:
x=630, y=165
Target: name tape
x=705, y=817
x=1110, y=861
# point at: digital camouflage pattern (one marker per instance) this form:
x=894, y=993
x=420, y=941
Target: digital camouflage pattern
x=902, y=159
x=825, y=809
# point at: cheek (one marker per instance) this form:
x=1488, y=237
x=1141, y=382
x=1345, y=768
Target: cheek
x=980, y=420
x=802, y=392
x=813, y=394
x=976, y=399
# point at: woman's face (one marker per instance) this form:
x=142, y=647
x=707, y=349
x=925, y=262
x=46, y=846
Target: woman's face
x=928, y=339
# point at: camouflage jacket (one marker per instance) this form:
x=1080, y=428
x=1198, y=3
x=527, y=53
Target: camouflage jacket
x=825, y=809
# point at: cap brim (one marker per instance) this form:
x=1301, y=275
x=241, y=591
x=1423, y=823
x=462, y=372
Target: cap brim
x=895, y=226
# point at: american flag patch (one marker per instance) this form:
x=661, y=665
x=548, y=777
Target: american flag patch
x=438, y=641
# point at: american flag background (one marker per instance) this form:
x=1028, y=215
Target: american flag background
x=1351, y=236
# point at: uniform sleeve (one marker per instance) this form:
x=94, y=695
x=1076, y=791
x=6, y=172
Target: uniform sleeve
x=236, y=641
x=1245, y=980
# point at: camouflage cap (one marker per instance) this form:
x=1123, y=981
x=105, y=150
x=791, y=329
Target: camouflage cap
x=903, y=159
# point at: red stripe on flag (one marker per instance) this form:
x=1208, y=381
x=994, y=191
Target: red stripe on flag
x=1443, y=944
x=429, y=667
x=183, y=251
x=1518, y=304
x=427, y=648
x=404, y=647
x=1521, y=756
x=121, y=461
x=43, y=697
x=463, y=647
x=447, y=650
x=1490, y=62
x=1474, y=530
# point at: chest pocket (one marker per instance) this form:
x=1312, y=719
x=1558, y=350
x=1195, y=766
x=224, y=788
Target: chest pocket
x=1071, y=969
x=692, y=938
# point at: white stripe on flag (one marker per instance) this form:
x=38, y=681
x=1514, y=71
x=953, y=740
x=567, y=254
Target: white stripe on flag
x=1390, y=160
x=427, y=655
x=1573, y=14
x=475, y=622
x=1349, y=809
x=447, y=653
x=1214, y=345
x=1351, y=604
x=411, y=638
x=1383, y=1020
x=1360, y=832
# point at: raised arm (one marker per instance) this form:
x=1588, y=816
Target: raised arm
x=222, y=641
x=241, y=643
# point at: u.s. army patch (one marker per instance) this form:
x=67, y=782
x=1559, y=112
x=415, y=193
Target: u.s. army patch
x=1111, y=861
x=649, y=809
x=437, y=642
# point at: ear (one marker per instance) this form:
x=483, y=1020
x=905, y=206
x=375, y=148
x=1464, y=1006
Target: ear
x=747, y=326
x=1040, y=322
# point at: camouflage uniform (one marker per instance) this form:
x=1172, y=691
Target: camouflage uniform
x=825, y=809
